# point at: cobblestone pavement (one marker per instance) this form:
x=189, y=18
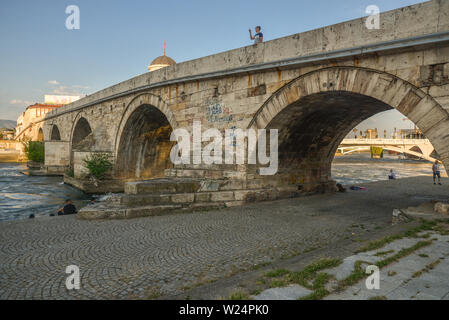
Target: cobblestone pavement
x=161, y=255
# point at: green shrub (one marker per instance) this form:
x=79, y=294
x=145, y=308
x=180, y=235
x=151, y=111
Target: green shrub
x=69, y=172
x=98, y=165
x=35, y=151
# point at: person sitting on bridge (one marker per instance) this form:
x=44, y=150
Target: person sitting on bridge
x=392, y=175
x=68, y=208
x=436, y=172
x=258, y=37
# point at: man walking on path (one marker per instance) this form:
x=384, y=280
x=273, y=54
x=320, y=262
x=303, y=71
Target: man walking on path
x=258, y=37
x=436, y=173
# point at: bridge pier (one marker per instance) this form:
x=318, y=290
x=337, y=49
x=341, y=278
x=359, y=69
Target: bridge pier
x=57, y=157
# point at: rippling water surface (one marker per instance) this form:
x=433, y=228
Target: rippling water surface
x=22, y=195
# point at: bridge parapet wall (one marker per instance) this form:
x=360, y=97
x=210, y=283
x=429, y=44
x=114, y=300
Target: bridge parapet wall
x=417, y=20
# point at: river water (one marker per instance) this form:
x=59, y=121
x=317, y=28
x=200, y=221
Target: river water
x=22, y=195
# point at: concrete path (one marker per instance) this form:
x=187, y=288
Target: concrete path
x=150, y=257
x=423, y=275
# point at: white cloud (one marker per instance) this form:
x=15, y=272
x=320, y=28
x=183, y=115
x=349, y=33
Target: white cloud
x=53, y=82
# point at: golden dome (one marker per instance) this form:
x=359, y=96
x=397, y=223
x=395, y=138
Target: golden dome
x=161, y=62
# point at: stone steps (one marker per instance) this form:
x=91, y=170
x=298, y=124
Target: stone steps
x=162, y=196
x=103, y=212
x=163, y=186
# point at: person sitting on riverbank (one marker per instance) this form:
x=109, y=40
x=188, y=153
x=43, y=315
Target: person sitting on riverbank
x=392, y=175
x=436, y=172
x=69, y=208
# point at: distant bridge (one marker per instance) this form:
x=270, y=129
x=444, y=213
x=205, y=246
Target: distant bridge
x=421, y=148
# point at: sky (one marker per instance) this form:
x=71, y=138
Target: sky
x=118, y=39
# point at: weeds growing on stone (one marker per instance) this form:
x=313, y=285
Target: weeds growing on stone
x=412, y=233
x=239, y=295
x=276, y=273
x=429, y=267
x=383, y=253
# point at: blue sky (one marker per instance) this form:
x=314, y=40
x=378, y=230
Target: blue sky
x=118, y=39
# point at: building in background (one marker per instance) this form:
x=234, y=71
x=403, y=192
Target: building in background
x=28, y=123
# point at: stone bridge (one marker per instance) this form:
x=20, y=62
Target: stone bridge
x=421, y=148
x=314, y=87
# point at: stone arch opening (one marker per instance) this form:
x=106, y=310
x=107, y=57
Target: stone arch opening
x=55, y=135
x=144, y=147
x=312, y=128
x=81, y=131
x=40, y=135
x=315, y=112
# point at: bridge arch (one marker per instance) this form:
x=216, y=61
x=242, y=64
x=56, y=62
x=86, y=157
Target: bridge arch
x=40, y=135
x=80, y=131
x=142, y=144
x=315, y=111
x=55, y=135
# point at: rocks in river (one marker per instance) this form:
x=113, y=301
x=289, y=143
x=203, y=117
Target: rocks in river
x=399, y=217
x=442, y=208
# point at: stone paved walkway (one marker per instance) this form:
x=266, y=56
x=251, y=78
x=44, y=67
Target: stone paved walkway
x=161, y=255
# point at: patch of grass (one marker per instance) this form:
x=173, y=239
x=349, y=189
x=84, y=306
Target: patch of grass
x=423, y=255
x=256, y=292
x=412, y=233
x=279, y=283
x=425, y=226
x=392, y=273
x=402, y=253
x=373, y=245
x=383, y=253
x=429, y=267
x=276, y=273
x=359, y=273
x=310, y=277
x=260, y=265
x=154, y=293
x=417, y=274
x=239, y=295
x=378, y=298
x=308, y=273
x=354, y=277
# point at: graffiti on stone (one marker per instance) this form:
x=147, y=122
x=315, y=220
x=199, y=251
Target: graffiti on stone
x=216, y=111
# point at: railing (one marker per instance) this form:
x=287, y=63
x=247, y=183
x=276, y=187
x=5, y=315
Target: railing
x=370, y=142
